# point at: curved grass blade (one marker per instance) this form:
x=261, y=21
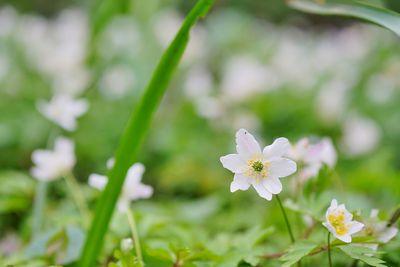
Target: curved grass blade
x=356, y=9
x=134, y=134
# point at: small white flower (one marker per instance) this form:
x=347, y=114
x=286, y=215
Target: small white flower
x=378, y=230
x=313, y=156
x=339, y=222
x=126, y=244
x=132, y=189
x=52, y=164
x=63, y=110
x=261, y=169
x=361, y=135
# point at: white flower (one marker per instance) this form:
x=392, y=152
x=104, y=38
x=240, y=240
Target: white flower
x=52, y=164
x=126, y=244
x=339, y=222
x=244, y=76
x=361, y=135
x=378, y=230
x=313, y=155
x=64, y=110
x=132, y=189
x=261, y=169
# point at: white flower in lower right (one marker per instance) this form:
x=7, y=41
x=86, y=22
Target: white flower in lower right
x=339, y=222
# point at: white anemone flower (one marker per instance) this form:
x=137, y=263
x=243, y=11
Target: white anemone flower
x=313, y=156
x=64, y=110
x=259, y=168
x=132, y=189
x=339, y=222
x=378, y=230
x=53, y=164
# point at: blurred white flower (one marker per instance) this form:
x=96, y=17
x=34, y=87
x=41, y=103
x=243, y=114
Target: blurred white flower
x=378, y=230
x=63, y=110
x=313, y=156
x=8, y=20
x=126, y=244
x=381, y=88
x=121, y=36
x=261, y=169
x=244, y=76
x=332, y=100
x=209, y=107
x=53, y=164
x=339, y=222
x=167, y=24
x=132, y=189
x=116, y=81
x=72, y=82
x=360, y=135
x=56, y=46
x=198, y=83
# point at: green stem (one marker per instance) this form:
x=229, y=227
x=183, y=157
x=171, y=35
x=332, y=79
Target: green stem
x=329, y=249
x=78, y=197
x=286, y=219
x=38, y=207
x=135, y=236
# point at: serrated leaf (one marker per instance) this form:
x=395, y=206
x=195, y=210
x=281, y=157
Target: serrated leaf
x=380, y=16
x=363, y=254
x=296, y=252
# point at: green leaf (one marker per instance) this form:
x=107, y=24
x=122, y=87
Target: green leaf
x=296, y=252
x=363, y=254
x=380, y=16
x=134, y=134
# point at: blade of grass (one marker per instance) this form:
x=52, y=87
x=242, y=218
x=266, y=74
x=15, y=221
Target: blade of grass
x=134, y=134
x=380, y=16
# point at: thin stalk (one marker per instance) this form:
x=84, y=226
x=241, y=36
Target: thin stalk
x=286, y=219
x=329, y=249
x=38, y=207
x=78, y=197
x=41, y=195
x=135, y=236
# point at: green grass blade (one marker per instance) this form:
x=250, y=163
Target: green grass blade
x=134, y=134
x=380, y=16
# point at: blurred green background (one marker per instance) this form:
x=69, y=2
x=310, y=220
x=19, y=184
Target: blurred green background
x=252, y=64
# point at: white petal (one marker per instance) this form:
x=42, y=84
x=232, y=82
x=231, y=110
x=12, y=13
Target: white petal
x=374, y=213
x=97, y=181
x=355, y=227
x=273, y=185
x=387, y=234
x=334, y=203
x=234, y=163
x=246, y=144
x=63, y=145
x=240, y=182
x=140, y=191
x=135, y=173
x=278, y=148
x=282, y=167
x=262, y=191
x=344, y=238
x=110, y=163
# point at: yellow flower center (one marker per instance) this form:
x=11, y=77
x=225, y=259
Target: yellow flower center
x=257, y=169
x=336, y=219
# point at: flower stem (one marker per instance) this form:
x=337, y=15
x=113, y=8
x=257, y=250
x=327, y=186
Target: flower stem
x=329, y=249
x=286, y=219
x=135, y=235
x=78, y=197
x=38, y=206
